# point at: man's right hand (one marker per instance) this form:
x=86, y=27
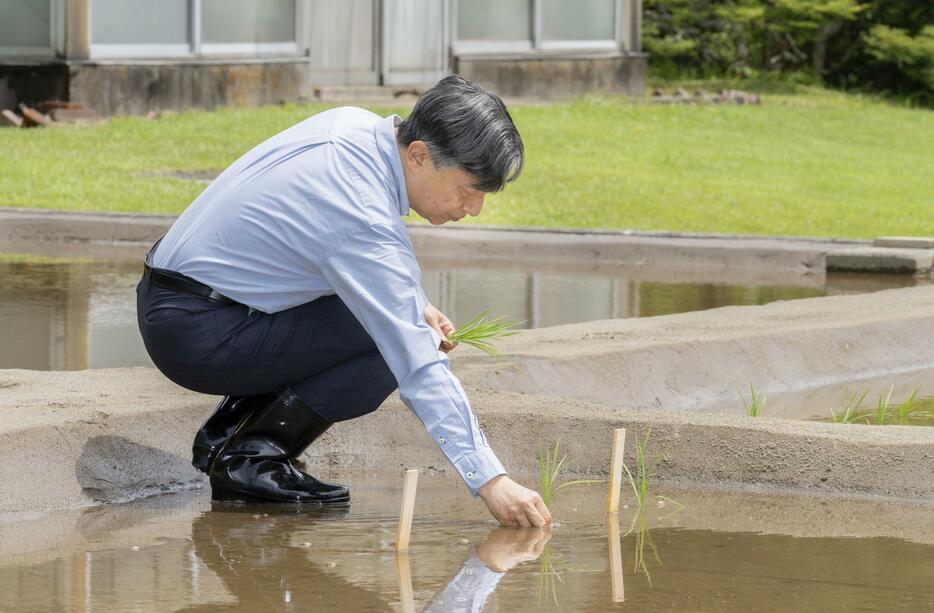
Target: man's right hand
x=514, y=505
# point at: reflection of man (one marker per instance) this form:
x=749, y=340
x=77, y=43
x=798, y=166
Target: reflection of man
x=290, y=287
x=503, y=549
x=252, y=555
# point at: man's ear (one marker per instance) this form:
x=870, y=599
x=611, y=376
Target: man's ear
x=417, y=152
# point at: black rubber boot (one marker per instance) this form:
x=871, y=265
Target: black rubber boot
x=215, y=431
x=255, y=464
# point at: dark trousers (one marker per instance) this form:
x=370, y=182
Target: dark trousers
x=318, y=349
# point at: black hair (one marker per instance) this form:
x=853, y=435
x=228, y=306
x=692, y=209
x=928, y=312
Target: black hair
x=466, y=126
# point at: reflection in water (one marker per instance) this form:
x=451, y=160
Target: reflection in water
x=548, y=577
x=259, y=560
x=72, y=316
x=643, y=536
x=195, y=556
x=44, y=313
x=503, y=549
x=617, y=587
x=253, y=555
x=69, y=316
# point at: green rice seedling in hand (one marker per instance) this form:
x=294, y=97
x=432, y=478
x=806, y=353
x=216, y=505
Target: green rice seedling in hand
x=756, y=401
x=549, y=467
x=849, y=413
x=882, y=408
x=640, y=481
x=479, y=331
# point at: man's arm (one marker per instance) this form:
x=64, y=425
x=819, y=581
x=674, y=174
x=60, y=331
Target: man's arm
x=376, y=275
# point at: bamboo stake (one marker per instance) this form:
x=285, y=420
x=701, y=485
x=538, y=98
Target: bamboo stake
x=616, y=560
x=616, y=469
x=406, y=595
x=408, y=506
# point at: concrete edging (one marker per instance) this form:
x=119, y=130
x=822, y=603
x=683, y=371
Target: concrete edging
x=58, y=233
x=140, y=453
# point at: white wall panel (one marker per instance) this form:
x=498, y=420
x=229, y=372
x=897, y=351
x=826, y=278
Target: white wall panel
x=342, y=44
x=414, y=42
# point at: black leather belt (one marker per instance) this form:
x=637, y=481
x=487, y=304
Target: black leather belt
x=181, y=283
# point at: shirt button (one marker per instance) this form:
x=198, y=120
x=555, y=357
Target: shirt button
x=442, y=440
x=470, y=474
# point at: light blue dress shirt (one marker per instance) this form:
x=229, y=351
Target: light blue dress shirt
x=317, y=210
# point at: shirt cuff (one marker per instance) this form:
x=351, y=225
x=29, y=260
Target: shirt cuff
x=478, y=467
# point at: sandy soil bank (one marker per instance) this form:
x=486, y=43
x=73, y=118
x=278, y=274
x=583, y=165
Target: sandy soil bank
x=69, y=439
x=695, y=361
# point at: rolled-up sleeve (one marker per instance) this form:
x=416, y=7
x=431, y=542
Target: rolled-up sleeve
x=374, y=272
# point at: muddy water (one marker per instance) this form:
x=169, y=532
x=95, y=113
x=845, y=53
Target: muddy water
x=77, y=315
x=718, y=551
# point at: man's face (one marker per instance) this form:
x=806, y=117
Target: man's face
x=437, y=195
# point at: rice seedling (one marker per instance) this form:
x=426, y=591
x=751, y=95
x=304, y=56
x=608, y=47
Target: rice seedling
x=903, y=411
x=882, y=408
x=479, y=331
x=549, y=467
x=849, y=412
x=640, y=481
x=756, y=401
x=904, y=414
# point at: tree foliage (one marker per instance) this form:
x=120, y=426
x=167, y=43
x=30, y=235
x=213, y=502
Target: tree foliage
x=885, y=45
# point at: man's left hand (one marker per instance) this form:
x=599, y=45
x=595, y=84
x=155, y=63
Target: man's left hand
x=442, y=325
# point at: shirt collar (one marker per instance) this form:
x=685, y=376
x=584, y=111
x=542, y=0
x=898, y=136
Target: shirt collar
x=386, y=142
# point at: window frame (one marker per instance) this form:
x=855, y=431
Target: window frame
x=537, y=44
x=195, y=48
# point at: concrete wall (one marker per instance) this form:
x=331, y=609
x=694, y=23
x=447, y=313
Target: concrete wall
x=136, y=88
x=114, y=89
x=557, y=76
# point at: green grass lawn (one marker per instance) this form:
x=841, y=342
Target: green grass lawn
x=815, y=163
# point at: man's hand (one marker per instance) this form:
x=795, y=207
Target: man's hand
x=505, y=548
x=442, y=325
x=514, y=505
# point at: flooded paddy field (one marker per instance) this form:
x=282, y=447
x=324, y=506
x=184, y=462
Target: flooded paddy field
x=694, y=550
x=729, y=542
x=78, y=314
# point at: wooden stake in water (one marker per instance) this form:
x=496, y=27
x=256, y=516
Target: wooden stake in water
x=408, y=506
x=616, y=560
x=406, y=595
x=616, y=469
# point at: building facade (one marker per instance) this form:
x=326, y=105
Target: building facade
x=132, y=56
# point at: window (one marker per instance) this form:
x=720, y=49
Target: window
x=580, y=21
x=184, y=28
x=514, y=25
x=140, y=27
x=27, y=27
x=506, y=23
x=248, y=25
